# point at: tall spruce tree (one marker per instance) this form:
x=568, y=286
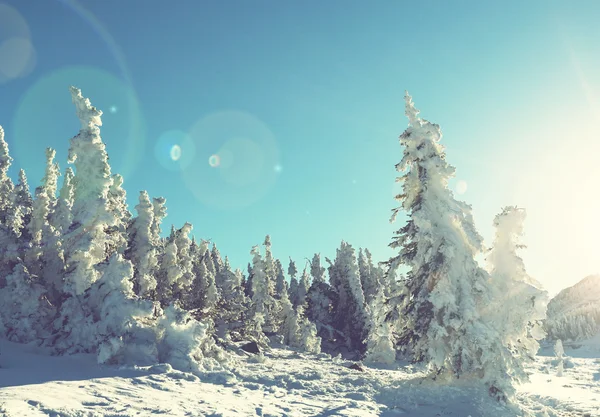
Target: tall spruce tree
x=445, y=287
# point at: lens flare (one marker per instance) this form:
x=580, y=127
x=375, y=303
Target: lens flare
x=244, y=150
x=17, y=53
x=175, y=152
x=214, y=161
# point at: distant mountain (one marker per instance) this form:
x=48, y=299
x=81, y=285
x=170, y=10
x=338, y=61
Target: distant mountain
x=574, y=314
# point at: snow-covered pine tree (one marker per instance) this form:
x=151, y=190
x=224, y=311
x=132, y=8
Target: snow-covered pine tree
x=141, y=250
x=217, y=260
x=45, y=258
x=10, y=217
x=352, y=316
x=204, y=294
x=24, y=202
x=159, y=209
x=320, y=299
x=370, y=275
x=26, y=313
x=309, y=341
x=281, y=285
x=169, y=273
x=293, y=291
x=182, y=286
x=85, y=244
x=232, y=304
x=445, y=287
x=248, y=282
x=117, y=204
x=380, y=343
x=6, y=184
x=269, y=261
x=62, y=217
x=124, y=331
x=303, y=286
x=262, y=302
x=519, y=305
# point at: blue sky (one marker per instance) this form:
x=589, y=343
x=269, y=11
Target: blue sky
x=303, y=102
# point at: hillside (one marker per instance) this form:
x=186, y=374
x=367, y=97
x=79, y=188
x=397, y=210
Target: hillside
x=574, y=314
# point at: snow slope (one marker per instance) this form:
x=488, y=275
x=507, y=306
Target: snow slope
x=286, y=383
x=574, y=314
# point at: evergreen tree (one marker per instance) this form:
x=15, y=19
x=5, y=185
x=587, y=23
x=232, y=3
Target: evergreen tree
x=24, y=202
x=216, y=258
x=86, y=242
x=262, y=301
x=270, y=271
x=293, y=291
x=248, y=283
x=369, y=275
x=6, y=184
x=232, y=304
x=26, y=313
x=303, y=286
x=281, y=285
x=518, y=307
x=445, y=287
x=320, y=300
x=62, y=217
x=160, y=212
x=117, y=205
x=142, y=251
x=169, y=273
x=9, y=215
x=351, y=316
x=183, y=242
x=380, y=343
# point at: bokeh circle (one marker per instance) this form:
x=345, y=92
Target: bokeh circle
x=241, y=152
x=174, y=150
x=17, y=53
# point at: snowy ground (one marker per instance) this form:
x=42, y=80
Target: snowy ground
x=285, y=384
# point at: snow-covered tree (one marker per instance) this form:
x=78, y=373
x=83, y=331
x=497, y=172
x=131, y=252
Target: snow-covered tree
x=182, y=240
x=351, y=312
x=369, y=275
x=380, y=343
x=281, y=285
x=85, y=244
x=124, y=324
x=117, y=205
x=262, y=302
x=445, y=287
x=269, y=262
x=217, y=259
x=10, y=217
x=160, y=212
x=24, y=203
x=293, y=290
x=232, y=304
x=26, y=313
x=169, y=273
x=519, y=305
x=6, y=184
x=301, y=293
x=62, y=217
x=320, y=299
x=142, y=250
x=297, y=331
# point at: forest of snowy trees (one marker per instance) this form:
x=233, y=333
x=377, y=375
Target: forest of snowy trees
x=80, y=273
